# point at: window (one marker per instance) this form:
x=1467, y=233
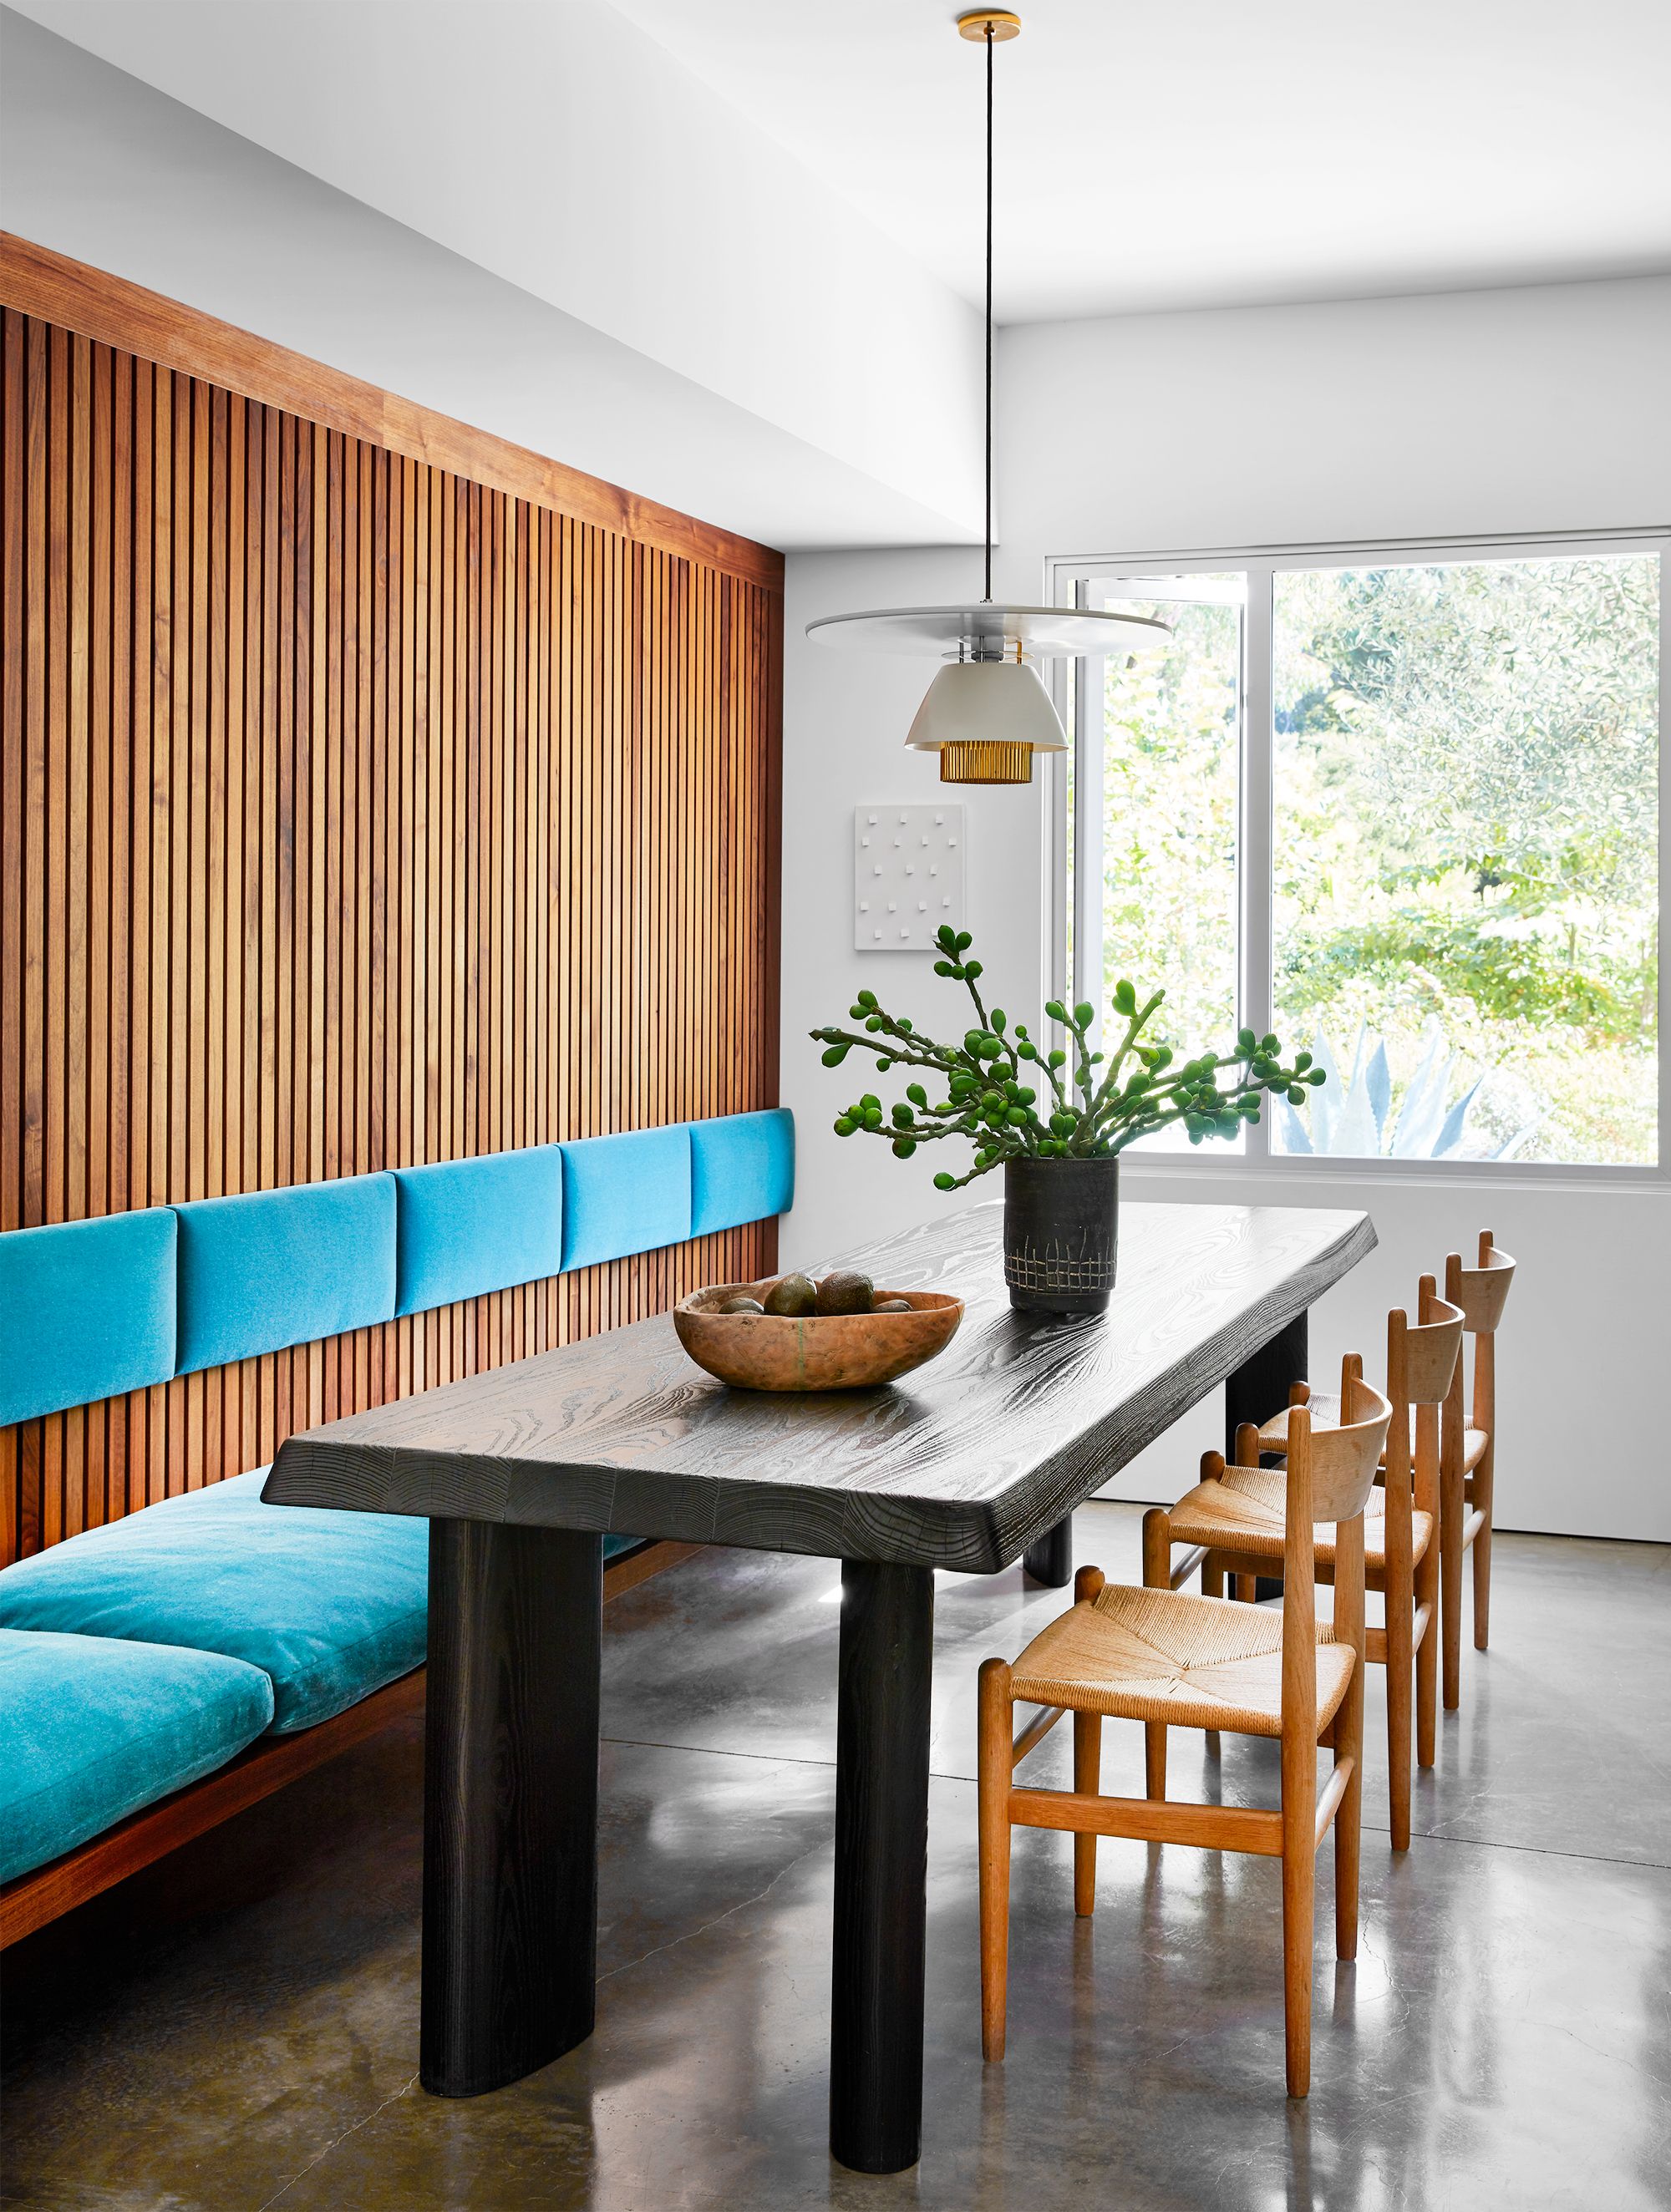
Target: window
x=1401, y=806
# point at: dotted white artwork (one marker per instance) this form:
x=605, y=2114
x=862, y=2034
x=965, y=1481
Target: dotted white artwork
x=908, y=876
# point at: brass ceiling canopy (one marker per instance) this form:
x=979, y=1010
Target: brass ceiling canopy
x=987, y=713
x=995, y=23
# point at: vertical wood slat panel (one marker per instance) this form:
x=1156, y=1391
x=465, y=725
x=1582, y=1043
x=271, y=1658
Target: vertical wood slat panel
x=351, y=814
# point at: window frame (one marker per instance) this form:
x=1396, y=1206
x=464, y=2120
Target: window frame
x=1076, y=687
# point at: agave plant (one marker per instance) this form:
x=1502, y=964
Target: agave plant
x=1351, y=1117
x=1014, y=1098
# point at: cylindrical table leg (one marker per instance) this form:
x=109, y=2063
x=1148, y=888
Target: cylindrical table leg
x=510, y=1787
x=1050, y=1561
x=881, y=1865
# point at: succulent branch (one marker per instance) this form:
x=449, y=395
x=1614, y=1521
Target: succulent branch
x=987, y=1099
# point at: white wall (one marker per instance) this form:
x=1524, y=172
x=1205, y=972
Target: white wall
x=1536, y=409
x=673, y=307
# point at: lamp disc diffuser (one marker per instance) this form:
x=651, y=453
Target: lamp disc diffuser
x=981, y=630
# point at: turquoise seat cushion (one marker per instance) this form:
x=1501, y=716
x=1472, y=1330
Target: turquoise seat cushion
x=626, y=1194
x=465, y=1227
x=87, y=1310
x=742, y=1169
x=283, y=1267
x=329, y=1606
x=92, y=1729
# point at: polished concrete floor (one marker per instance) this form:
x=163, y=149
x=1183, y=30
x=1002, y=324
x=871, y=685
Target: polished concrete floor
x=236, y=2031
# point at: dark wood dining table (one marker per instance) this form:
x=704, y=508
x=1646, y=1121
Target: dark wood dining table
x=971, y=1462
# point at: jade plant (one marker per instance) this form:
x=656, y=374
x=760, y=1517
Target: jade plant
x=1015, y=1097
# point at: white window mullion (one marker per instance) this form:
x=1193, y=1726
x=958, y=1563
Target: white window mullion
x=1257, y=839
x=1089, y=691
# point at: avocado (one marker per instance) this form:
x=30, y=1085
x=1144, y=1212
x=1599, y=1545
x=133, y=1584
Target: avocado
x=846, y=1292
x=894, y=1305
x=793, y=1296
x=741, y=1305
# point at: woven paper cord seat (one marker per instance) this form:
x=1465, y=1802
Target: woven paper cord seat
x=1325, y=1410
x=1242, y=1512
x=1146, y=1654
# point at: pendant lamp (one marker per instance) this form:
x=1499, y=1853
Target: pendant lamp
x=987, y=712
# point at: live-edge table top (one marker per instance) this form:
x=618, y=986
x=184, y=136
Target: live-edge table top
x=962, y=1463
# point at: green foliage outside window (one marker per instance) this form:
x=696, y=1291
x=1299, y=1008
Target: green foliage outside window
x=1466, y=779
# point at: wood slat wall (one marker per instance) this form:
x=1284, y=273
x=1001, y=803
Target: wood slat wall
x=352, y=813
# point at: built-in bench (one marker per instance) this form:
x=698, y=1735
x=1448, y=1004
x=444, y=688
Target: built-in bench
x=159, y=1673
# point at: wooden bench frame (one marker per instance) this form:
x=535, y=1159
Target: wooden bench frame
x=267, y=1765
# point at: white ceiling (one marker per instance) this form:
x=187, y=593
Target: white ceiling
x=1220, y=152
x=724, y=250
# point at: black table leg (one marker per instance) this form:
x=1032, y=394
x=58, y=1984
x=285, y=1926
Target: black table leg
x=1050, y=1561
x=1258, y=1388
x=881, y=1865
x=510, y=1811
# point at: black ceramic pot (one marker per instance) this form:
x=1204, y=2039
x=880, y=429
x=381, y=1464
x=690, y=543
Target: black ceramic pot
x=1061, y=1227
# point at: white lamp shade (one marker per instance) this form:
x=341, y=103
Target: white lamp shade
x=988, y=703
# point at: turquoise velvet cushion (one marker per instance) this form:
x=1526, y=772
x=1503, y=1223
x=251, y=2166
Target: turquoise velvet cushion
x=742, y=1169
x=87, y=1310
x=284, y=1267
x=465, y=1227
x=627, y=1193
x=90, y=1730
x=329, y=1605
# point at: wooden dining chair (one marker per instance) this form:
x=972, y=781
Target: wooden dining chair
x=1171, y=1660
x=1235, y=1521
x=1468, y=1455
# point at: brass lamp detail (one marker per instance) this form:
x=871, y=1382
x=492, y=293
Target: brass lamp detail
x=986, y=760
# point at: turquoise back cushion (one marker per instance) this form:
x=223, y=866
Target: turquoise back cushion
x=87, y=1310
x=627, y=1193
x=284, y=1267
x=742, y=1169
x=465, y=1227
x=330, y=1606
x=91, y=1308
x=95, y=1729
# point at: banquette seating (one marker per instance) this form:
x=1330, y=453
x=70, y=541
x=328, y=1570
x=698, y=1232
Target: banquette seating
x=198, y=1652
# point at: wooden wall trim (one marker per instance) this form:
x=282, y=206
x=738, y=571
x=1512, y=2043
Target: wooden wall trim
x=354, y=813
x=37, y=281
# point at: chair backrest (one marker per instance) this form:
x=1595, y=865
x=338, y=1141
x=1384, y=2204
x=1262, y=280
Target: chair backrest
x=1340, y=1461
x=1481, y=1291
x=1331, y=1472
x=1422, y=1356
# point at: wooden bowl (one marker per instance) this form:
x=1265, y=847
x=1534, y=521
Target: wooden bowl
x=823, y=1351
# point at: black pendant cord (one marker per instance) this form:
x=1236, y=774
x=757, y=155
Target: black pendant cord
x=989, y=47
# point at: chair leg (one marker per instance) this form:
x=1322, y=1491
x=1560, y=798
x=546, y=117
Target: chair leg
x=1247, y=1589
x=997, y=1725
x=1451, y=1511
x=1349, y=1818
x=1482, y=1555
x=1212, y=1585
x=1400, y=1627
x=1299, y=1876
x=1427, y=1662
x=1087, y=1780
x=1156, y=1574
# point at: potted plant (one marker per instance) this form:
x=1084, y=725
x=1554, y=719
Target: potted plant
x=1056, y=1120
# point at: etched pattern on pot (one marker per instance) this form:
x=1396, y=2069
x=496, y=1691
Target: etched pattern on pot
x=1056, y=1269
